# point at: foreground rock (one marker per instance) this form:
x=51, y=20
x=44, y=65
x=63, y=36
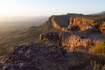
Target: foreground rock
x=37, y=56
x=102, y=27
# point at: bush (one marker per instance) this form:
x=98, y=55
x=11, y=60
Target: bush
x=98, y=49
x=2, y=51
x=96, y=66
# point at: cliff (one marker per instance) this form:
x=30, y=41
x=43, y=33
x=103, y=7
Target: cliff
x=68, y=22
x=102, y=27
x=78, y=22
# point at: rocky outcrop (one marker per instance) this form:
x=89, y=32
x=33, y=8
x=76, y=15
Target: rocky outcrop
x=38, y=56
x=102, y=27
x=81, y=24
x=79, y=20
x=86, y=28
x=43, y=56
x=76, y=47
x=68, y=41
x=76, y=22
x=56, y=37
x=56, y=25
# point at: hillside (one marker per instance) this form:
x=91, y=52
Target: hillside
x=54, y=24
x=25, y=36
x=64, y=42
x=101, y=13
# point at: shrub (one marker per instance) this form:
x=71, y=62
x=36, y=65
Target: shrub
x=96, y=66
x=98, y=49
x=2, y=51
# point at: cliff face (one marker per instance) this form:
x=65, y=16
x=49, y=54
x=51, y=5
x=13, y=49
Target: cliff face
x=79, y=20
x=56, y=25
x=102, y=27
x=68, y=23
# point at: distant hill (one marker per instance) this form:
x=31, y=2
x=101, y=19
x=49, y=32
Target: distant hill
x=101, y=13
x=15, y=23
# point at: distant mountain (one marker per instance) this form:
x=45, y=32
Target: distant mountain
x=23, y=19
x=101, y=13
x=15, y=23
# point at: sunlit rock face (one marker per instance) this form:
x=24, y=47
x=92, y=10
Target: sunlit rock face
x=59, y=24
x=79, y=20
x=69, y=23
x=81, y=24
x=102, y=27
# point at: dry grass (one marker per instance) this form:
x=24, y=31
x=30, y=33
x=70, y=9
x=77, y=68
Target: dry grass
x=98, y=49
x=96, y=66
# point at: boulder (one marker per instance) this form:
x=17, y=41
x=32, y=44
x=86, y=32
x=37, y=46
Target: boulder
x=79, y=20
x=38, y=56
x=102, y=27
x=76, y=43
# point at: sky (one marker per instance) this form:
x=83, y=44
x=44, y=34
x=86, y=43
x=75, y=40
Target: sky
x=36, y=8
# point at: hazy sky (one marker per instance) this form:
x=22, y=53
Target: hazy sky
x=49, y=7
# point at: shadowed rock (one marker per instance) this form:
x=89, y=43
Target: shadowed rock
x=37, y=56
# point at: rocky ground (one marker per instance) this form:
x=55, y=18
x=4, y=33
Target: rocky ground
x=56, y=51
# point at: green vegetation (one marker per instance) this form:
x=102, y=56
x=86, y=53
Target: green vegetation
x=98, y=49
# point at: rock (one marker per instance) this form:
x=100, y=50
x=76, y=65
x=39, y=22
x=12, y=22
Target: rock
x=56, y=37
x=24, y=66
x=38, y=56
x=58, y=26
x=76, y=43
x=74, y=22
x=0, y=66
x=68, y=41
x=10, y=67
x=74, y=27
x=81, y=24
x=102, y=27
x=79, y=20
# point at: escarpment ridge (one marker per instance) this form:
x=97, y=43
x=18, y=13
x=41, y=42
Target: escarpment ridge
x=67, y=22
